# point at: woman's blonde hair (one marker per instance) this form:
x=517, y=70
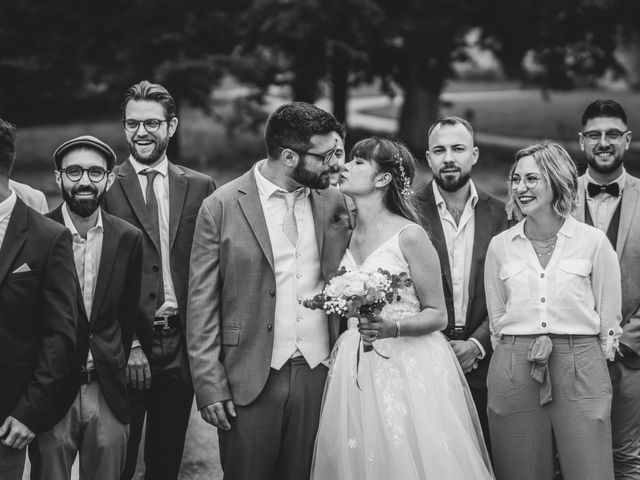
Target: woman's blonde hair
x=558, y=169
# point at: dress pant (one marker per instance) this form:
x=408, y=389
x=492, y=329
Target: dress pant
x=480, y=400
x=89, y=428
x=273, y=437
x=11, y=463
x=578, y=416
x=625, y=421
x=167, y=406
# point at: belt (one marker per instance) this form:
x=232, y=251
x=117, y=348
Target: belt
x=167, y=322
x=88, y=376
x=455, y=333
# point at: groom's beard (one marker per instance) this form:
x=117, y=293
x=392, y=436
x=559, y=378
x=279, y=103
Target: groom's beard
x=308, y=178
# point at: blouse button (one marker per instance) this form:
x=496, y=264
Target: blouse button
x=542, y=300
x=610, y=332
x=542, y=275
x=544, y=324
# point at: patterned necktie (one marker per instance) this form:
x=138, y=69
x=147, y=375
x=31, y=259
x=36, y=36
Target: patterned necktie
x=152, y=212
x=594, y=189
x=289, y=225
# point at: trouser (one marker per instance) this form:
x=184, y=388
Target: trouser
x=89, y=428
x=11, y=463
x=167, y=406
x=273, y=437
x=480, y=400
x=625, y=421
x=578, y=416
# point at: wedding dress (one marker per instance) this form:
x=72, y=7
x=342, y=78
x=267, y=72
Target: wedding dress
x=408, y=416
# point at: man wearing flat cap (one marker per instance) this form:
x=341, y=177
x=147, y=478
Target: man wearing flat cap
x=162, y=199
x=108, y=261
x=37, y=319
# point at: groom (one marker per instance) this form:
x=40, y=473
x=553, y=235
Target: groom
x=262, y=244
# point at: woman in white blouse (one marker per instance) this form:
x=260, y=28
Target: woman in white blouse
x=553, y=296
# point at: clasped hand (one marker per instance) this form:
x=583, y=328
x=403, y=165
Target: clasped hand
x=373, y=328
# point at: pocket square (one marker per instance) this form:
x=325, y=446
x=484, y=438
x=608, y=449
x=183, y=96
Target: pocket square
x=22, y=268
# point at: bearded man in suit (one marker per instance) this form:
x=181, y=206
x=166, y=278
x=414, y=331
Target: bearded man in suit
x=609, y=199
x=461, y=219
x=263, y=243
x=37, y=319
x=162, y=199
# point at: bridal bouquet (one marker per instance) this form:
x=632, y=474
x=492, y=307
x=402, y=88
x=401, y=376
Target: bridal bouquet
x=359, y=293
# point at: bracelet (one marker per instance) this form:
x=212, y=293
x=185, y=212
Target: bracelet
x=397, y=328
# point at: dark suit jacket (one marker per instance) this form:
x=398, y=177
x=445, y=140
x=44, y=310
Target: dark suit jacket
x=490, y=219
x=187, y=190
x=232, y=288
x=109, y=331
x=37, y=319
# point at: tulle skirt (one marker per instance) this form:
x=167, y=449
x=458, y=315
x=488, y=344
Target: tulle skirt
x=408, y=416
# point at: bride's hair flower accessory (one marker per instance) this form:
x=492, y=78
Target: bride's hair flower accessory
x=406, y=181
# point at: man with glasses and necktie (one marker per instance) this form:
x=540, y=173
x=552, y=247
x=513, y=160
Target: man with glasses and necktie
x=263, y=243
x=162, y=199
x=609, y=199
x=107, y=255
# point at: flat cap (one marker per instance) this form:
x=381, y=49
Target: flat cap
x=87, y=141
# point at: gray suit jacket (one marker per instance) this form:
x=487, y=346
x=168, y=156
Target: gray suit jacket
x=628, y=250
x=232, y=288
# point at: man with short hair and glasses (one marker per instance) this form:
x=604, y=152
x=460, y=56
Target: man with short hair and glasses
x=263, y=243
x=609, y=198
x=162, y=199
x=108, y=262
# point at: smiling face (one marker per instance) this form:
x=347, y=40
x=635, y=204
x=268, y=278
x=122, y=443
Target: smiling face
x=146, y=147
x=605, y=156
x=451, y=156
x=83, y=196
x=532, y=200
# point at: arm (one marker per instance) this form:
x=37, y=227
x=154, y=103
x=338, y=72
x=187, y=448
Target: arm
x=203, y=321
x=58, y=329
x=128, y=314
x=607, y=294
x=495, y=291
x=423, y=262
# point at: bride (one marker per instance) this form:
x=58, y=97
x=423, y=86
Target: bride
x=403, y=410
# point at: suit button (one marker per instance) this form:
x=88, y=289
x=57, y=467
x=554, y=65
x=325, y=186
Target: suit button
x=90, y=335
x=272, y=293
x=269, y=327
x=155, y=268
x=152, y=296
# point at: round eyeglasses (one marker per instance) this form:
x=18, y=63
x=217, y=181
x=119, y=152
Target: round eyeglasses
x=150, y=125
x=75, y=173
x=530, y=181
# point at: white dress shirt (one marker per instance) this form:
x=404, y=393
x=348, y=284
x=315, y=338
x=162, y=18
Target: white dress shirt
x=86, y=254
x=459, y=240
x=297, y=330
x=6, y=207
x=578, y=293
x=161, y=189
x=603, y=205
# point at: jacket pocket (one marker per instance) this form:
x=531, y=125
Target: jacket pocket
x=230, y=335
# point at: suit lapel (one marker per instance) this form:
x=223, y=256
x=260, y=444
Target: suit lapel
x=14, y=237
x=177, y=193
x=434, y=226
x=107, y=259
x=251, y=207
x=627, y=212
x=484, y=227
x=319, y=222
x=578, y=213
x=56, y=214
x=131, y=188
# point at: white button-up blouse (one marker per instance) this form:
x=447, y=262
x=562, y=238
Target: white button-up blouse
x=578, y=293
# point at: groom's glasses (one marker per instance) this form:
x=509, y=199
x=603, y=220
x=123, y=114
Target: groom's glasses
x=323, y=157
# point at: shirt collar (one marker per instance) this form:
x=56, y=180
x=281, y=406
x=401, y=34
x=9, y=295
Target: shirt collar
x=473, y=196
x=6, y=207
x=70, y=225
x=162, y=167
x=567, y=228
x=267, y=188
x=621, y=180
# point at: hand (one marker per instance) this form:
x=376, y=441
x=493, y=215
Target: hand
x=372, y=328
x=138, y=370
x=215, y=414
x=467, y=352
x=15, y=434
